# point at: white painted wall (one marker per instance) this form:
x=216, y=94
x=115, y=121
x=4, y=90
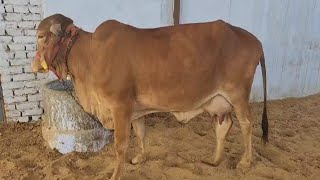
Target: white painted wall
x=89, y=14
x=289, y=31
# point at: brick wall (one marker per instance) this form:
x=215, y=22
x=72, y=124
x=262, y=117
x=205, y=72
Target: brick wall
x=18, y=22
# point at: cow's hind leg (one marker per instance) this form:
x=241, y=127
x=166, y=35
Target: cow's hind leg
x=223, y=126
x=243, y=115
x=139, y=130
x=221, y=134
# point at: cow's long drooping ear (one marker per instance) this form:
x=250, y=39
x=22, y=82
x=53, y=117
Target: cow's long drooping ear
x=56, y=29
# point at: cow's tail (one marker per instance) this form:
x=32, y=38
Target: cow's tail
x=264, y=123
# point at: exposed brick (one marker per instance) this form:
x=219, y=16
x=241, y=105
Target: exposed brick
x=21, y=9
x=25, y=91
x=24, y=39
x=31, y=17
x=2, y=10
x=13, y=113
x=27, y=24
x=31, y=54
x=6, y=55
x=35, y=111
x=13, y=16
x=20, y=55
x=9, y=107
x=18, y=119
x=7, y=93
x=3, y=47
x=8, y=8
x=5, y=78
x=36, y=118
x=26, y=105
x=27, y=69
x=16, y=47
x=18, y=22
x=13, y=85
x=33, y=84
x=18, y=62
x=35, y=9
x=4, y=63
x=37, y=24
x=41, y=76
x=2, y=28
x=5, y=39
x=35, y=2
x=30, y=47
x=31, y=32
x=14, y=99
x=15, y=32
x=36, y=97
x=16, y=2
x=11, y=70
x=23, y=77
x=11, y=25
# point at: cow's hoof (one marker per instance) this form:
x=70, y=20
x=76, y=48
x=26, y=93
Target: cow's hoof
x=114, y=178
x=138, y=159
x=244, y=164
x=211, y=163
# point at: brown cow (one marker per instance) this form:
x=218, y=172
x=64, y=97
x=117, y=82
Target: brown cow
x=185, y=69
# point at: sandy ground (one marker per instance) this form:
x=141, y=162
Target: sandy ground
x=175, y=151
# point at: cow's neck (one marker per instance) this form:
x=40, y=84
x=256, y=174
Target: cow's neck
x=79, y=56
x=81, y=68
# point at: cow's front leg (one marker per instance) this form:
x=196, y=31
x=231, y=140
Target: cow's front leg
x=139, y=130
x=121, y=117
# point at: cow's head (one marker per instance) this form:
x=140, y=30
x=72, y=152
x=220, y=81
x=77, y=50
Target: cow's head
x=49, y=34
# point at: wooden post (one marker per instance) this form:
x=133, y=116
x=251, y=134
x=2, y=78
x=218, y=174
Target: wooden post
x=176, y=12
x=2, y=111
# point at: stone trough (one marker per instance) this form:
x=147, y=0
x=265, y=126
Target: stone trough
x=65, y=125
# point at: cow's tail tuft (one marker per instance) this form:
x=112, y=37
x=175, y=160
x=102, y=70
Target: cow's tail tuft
x=264, y=123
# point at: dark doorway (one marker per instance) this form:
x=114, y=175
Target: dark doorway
x=1, y=106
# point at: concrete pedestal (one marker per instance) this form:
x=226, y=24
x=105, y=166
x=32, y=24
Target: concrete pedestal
x=66, y=127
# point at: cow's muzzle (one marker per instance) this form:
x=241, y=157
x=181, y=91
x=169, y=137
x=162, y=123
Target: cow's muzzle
x=39, y=64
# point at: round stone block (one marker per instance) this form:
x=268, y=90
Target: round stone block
x=66, y=126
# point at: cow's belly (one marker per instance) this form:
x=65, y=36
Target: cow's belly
x=215, y=106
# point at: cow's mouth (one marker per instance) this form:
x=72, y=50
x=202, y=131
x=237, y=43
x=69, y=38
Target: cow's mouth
x=39, y=64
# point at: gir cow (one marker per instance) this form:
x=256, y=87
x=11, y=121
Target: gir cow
x=185, y=70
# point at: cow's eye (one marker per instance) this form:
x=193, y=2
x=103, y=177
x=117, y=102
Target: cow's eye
x=39, y=37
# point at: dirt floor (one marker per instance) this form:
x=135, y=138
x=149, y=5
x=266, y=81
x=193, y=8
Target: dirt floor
x=175, y=151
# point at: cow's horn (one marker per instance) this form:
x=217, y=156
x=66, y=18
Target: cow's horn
x=56, y=29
